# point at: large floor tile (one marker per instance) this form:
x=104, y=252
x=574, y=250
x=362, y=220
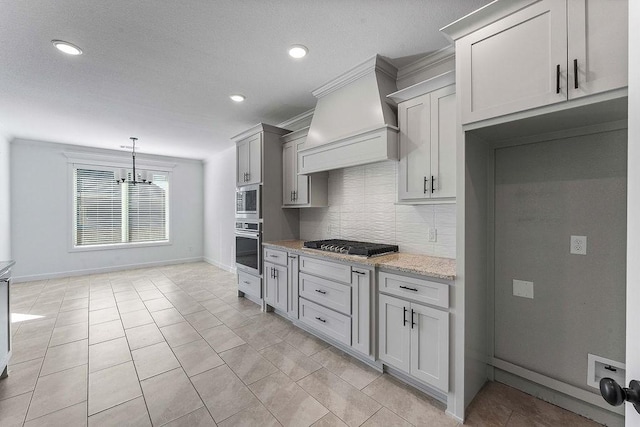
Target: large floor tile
x=223, y=393
x=154, y=359
x=329, y=420
x=233, y=318
x=340, y=397
x=290, y=404
x=105, y=331
x=22, y=378
x=69, y=333
x=180, y=334
x=132, y=413
x=74, y=304
x=72, y=316
x=257, y=336
x=197, y=357
x=385, y=418
x=409, y=403
x=75, y=415
x=150, y=294
x=143, y=336
x=248, y=364
x=102, y=303
x=130, y=305
x=221, y=338
x=346, y=367
x=254, y=416
x=135, y=319
x=158, y=304
x=29, y=349
x=103, y=315
x=198, y=418
x=112, y=386
x=215, y=305
x=167, y=317
x=290, y=360
x=14, y=410
x=58, y=391
x=169, y=396
x=65, y=356
x=305, y=342
x=202, y=320
x=108, y=353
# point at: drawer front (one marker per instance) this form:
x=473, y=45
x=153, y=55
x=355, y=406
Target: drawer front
x=325, y=292
x=249, y=285
x=327, y=321
x=326, y=269
x=275, y=256
x=420, y=290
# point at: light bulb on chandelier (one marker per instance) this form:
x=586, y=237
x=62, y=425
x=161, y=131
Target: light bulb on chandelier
x=144, y=177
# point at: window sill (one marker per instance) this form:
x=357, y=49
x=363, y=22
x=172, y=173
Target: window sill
x=119, y=246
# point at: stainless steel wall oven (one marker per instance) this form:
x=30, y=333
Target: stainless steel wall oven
x=249, y=246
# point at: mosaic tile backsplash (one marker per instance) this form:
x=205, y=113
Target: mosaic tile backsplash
x=362, y=207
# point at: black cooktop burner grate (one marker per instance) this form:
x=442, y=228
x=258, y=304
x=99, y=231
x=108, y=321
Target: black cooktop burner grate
x=351, y=247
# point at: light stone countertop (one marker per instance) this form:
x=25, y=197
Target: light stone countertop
x=441, y=268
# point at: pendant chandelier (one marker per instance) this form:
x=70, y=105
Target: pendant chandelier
x=138, y=178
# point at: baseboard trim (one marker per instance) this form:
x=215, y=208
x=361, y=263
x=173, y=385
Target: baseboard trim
x=61, y=274
x=229, y=268
x=558, y=393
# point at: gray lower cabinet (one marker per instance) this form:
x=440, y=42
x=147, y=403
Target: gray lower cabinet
x=414, y=338
x=275, y=286
x=5, y=323
x=250, y=285
x=335, y=299
x=292, y=285
x=281, y=281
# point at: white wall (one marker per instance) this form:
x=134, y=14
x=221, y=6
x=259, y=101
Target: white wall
x=5, y=203
x=219, y=210
x=41, y=214
x=362, y=207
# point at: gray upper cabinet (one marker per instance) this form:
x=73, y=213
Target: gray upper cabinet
x=427, y=168
x=300, y=190
x=541, y=54
x=249, y=160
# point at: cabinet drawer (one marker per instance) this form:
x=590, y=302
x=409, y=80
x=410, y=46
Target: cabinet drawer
x=330, y=294
x=275, y=256
x=249, y=285
x=326, y=269
x=420, y=290
x=327, y=321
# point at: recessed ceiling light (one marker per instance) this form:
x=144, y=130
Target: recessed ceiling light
x=67, y=47
x=298, y=51
x=237, y=97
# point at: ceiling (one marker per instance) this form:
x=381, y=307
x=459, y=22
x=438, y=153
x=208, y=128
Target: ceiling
x=163, y=70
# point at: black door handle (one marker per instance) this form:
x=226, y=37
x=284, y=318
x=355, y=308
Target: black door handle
x=575, y=73
x=404, y=316
x=558, y=78
x=616, y=395
x=412, y=322
x=424, y=185
x=433, y=188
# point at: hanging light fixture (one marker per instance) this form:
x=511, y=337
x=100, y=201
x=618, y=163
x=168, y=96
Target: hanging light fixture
x=138, y=178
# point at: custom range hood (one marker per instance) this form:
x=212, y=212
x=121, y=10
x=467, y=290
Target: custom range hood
x=353, y=123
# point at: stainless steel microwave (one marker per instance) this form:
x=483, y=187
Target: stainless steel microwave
x=248, y=202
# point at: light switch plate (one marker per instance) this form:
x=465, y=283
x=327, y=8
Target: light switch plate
x=522, y=288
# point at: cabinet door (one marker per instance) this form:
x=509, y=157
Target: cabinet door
x=430, y=345
x=281, y=287
x=415, y=140
x=301, y=181
x=443, y=142
x=5, y=325
x=394, y=332
x=242, y=162
x=288, y=172
x=255, y=159
x=270, y=284
x=360, y=311
x=598, y=44
x=511, y=65
x=292, y=279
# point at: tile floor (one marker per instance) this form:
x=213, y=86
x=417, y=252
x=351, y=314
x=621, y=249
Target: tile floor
x=175, y=346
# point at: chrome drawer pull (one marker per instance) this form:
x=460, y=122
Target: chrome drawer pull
x=321, y=292
x=409, y=289
x=321, y=319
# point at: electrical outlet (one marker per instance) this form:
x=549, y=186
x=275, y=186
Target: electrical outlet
x=522, y=288
x=329, y=229
x=579, y=245
x=433, y=234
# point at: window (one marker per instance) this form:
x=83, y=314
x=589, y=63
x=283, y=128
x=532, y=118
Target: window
x=107, y=213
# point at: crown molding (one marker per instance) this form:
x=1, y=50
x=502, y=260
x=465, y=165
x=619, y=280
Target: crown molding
x=260, y=127
x=294, y=120
x=422, y=64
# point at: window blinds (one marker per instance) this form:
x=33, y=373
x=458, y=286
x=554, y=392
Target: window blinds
x=111, y=213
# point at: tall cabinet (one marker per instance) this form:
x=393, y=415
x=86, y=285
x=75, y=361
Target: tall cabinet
x=427, y=122
x=298, y=190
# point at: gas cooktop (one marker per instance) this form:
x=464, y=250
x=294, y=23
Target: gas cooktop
x=351, y=247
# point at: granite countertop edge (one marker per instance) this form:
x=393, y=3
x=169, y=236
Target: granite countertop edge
x=424, y=265
x=5, y=266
